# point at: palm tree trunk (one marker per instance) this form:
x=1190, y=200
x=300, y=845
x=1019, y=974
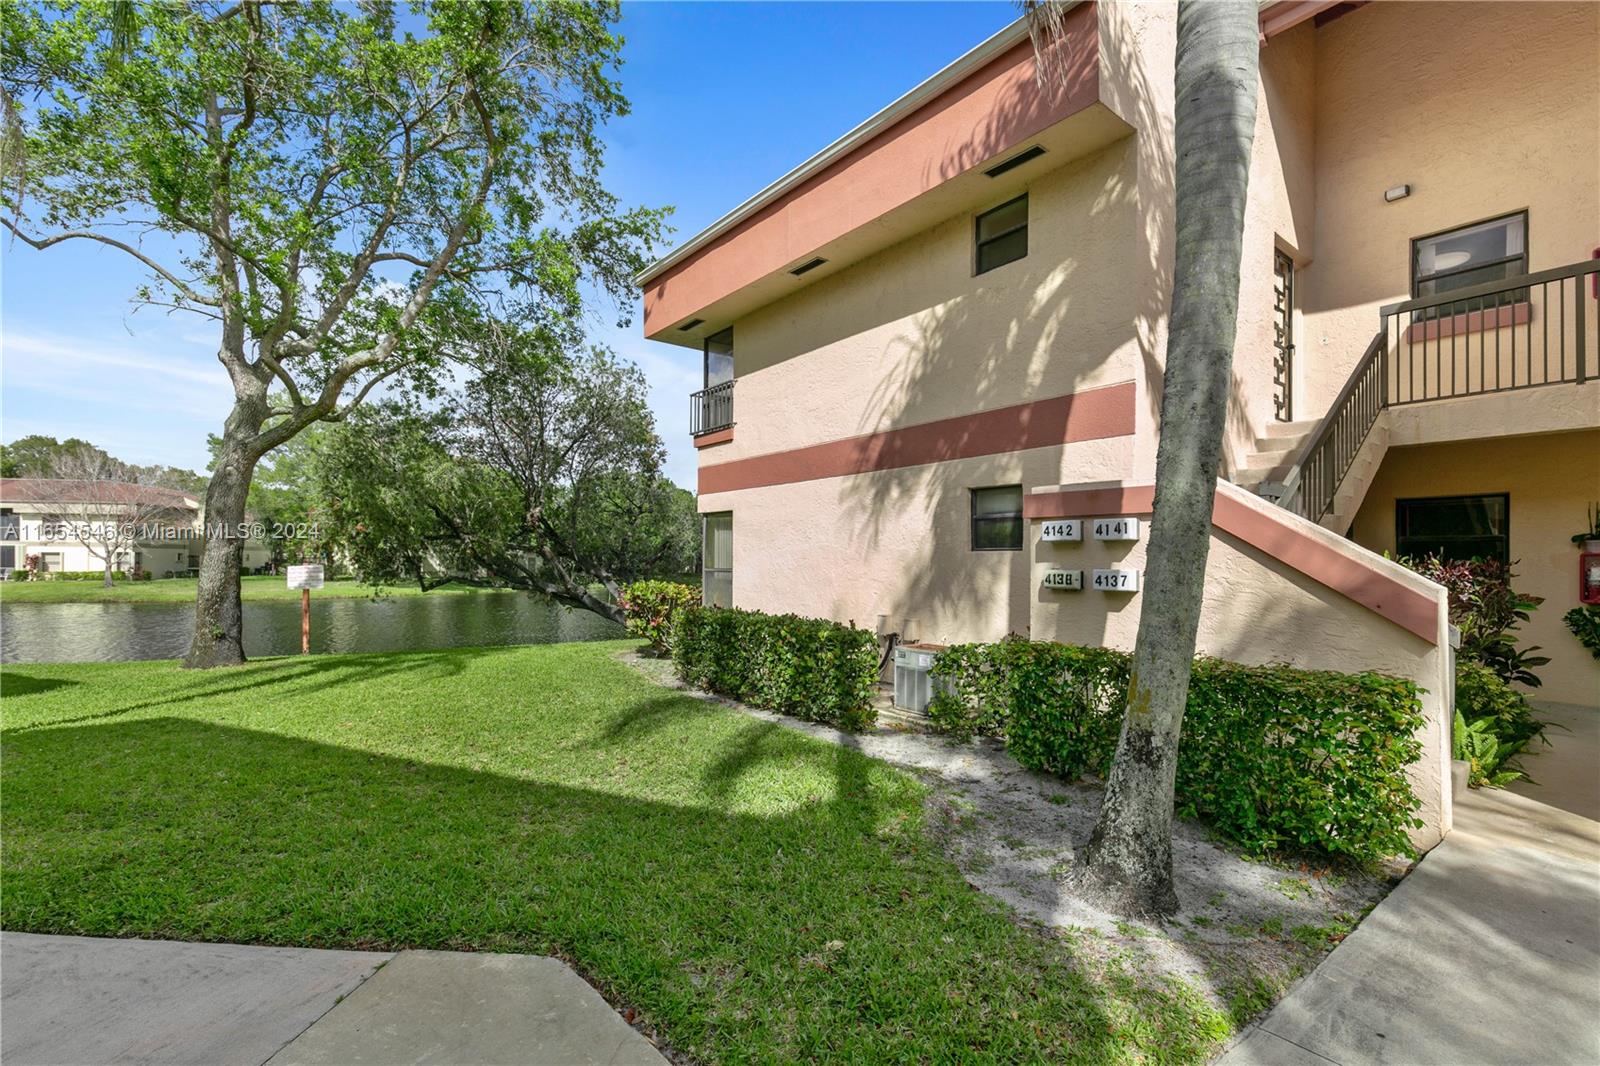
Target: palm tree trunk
x=1128, y=865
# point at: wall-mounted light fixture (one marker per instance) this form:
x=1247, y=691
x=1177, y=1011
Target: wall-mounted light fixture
x=1399, y=192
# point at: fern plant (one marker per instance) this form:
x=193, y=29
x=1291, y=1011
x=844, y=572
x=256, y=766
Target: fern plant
x=1476, y=744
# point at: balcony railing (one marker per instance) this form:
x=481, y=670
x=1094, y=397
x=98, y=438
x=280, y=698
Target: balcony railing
x=711, y=409
x=1519, y=333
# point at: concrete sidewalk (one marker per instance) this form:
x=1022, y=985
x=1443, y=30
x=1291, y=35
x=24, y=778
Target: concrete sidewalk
x=1489, y=952
x=85, y=1000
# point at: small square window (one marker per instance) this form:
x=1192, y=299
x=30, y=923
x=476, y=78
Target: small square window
x=1458, y=528
x=997, y=519
x=1002, y=234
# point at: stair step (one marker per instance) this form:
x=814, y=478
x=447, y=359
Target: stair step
x=1289, y=429
x=1279, y=445
x=1265, y=471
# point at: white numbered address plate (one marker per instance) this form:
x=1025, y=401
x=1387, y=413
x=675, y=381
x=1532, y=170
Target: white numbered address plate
x=1062, y=529
x=1116, y=529
x=1064, y=579
x=1116, y=580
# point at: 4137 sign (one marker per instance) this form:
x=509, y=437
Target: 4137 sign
x=1116, y=580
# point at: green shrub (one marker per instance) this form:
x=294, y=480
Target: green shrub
x=1488, y=612
x=1017, y=689
x=1272, y=757
x=973, y=687
x=84, y=575
x=1493, y=723
x=806, y=667
x=652, y=608
x=1585, y=625
x=1279, y=758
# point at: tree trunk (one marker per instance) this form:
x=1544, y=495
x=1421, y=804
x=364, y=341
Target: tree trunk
x=218, y=614
x=108, y=581
x=1128, y=864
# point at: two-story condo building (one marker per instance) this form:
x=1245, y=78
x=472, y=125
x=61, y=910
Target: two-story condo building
x=933, y=352
x=55, y=522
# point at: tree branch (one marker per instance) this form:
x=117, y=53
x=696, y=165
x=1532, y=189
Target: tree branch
x=41, y=243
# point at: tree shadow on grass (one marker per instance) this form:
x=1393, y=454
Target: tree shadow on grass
x=306, y=674
x=13, y=683
x=831, y=930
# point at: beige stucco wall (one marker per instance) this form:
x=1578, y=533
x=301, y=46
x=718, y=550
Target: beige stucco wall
x=1278, y=214
x=910, y=335
x=896, y=545
x=1259, y=609
x=1484, y=109
x=1552, y=479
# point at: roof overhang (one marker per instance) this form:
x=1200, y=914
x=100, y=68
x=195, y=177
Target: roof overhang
x=889, y=177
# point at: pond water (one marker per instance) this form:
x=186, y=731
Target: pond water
x=114, y=632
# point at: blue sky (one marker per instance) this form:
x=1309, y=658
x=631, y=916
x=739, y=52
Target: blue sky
x=726, y=97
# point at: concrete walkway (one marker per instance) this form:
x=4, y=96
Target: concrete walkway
x=84, y=1000
x=1489, y=952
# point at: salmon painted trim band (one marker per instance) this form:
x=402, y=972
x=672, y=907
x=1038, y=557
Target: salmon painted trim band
x=1276, y=533
x=1089, y=415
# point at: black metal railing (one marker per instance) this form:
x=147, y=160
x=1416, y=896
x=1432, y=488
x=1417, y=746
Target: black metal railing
x=711, y=409
x=1518, y=333
x=1314, y=480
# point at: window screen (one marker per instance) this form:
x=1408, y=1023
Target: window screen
x=997, y=518
x=716, y=570
x=1002, y=234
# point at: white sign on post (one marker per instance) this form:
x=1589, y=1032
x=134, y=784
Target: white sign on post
x=1116, y=529
x=306, y=576
x=1072, y=580
x=1062, y=529
x=1116, y=580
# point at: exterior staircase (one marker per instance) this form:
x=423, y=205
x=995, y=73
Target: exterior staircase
x=1275, y=455
x=1322, y=470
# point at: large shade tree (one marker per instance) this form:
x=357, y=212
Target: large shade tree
x=541, y=473
x=327, y=182
x=1128, y=863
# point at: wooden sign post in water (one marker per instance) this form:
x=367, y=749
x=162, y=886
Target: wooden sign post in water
x=305, y=578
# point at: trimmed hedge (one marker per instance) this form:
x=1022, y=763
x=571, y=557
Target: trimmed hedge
x=82, y=575
x=1274, y=758
x=806, y=667
x=652, y=609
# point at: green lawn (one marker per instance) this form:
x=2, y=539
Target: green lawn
x=753, y=893
x=181, y=590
